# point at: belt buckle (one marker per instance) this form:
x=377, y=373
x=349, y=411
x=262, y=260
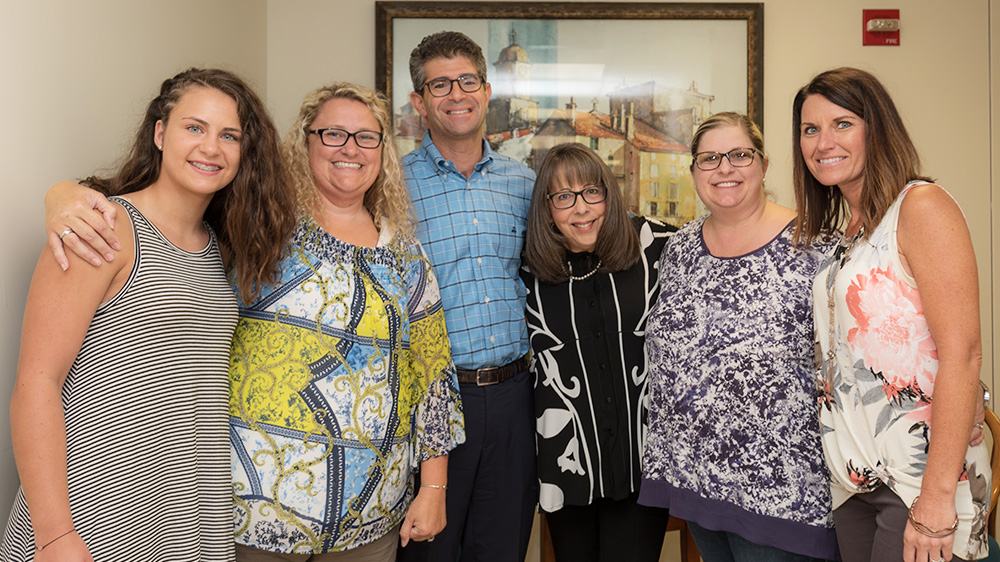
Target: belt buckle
x=480, y=372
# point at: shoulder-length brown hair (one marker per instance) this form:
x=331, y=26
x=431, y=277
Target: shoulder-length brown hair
x=891, y=160
x=253, y=217
x=544, y=250
x=387, y=199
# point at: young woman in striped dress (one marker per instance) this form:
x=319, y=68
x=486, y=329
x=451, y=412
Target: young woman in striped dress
x=119, y=412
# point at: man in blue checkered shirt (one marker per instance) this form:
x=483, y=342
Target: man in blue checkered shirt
x=471, y=206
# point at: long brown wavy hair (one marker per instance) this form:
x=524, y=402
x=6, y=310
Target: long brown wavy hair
x=253, y=217
x=617, y=245
x=891, y=160
x=387, y=199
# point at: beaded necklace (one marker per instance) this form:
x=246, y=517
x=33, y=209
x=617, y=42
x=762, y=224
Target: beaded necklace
x=841, y=255
x=568, y=271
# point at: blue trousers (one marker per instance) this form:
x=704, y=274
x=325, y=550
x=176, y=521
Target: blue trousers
x=723, y=546
x=492, y=480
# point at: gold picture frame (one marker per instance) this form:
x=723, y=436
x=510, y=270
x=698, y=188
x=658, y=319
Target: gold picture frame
x=632, y=80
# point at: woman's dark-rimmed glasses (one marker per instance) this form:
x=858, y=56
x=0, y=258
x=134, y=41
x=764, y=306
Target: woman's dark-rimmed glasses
x=339, y=137
x=738, y=158
x=566, y=199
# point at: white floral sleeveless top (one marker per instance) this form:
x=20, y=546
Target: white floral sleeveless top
x=875, y=402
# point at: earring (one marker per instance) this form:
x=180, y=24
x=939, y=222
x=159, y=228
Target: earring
x=160, y=146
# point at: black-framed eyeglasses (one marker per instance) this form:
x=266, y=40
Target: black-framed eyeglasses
x=738, y=158
x=441, y=87
x=339, y=137
x=592, y=194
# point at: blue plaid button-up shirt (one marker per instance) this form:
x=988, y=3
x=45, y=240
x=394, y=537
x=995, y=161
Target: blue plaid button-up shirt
x=473, y=231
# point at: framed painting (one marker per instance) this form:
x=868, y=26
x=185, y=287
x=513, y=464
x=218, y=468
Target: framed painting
x=631, y=80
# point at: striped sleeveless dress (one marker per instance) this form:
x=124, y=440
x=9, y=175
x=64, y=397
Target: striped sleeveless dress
x=146, y=407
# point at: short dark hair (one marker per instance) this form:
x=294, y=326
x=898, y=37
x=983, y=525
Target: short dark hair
x=544, y=249
x=891, y=159
x=444, y=44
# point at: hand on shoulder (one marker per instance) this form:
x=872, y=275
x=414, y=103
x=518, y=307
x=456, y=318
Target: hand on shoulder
x=82, y=220
x=81, y=280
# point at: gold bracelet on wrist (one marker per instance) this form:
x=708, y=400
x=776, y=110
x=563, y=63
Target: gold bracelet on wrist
x=924, y=529
x=439, y=487
x=41, y=548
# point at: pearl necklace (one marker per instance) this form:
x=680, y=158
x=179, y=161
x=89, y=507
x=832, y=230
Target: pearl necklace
x=581, y=277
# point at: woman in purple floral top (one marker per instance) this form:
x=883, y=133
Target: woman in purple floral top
x=733, y=444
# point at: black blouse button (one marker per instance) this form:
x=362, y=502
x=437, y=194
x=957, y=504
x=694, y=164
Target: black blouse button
x=608, y=399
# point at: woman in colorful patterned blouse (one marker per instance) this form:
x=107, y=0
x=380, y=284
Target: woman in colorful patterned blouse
x=591, y=278
x=734, y=444
x=897, y=325
x=342, y=383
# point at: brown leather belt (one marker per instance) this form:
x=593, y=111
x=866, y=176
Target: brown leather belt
x=492, y=375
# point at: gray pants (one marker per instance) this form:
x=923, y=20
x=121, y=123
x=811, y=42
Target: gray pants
x=870, y=527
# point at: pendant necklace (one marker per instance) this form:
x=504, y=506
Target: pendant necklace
x=840, y=258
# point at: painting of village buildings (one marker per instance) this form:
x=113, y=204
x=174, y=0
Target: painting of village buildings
x=639, y=121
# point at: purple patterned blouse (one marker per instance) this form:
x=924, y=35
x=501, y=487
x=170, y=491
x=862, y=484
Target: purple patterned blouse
x=733, y=439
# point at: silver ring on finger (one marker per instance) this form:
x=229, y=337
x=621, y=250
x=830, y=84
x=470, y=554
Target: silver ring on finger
x=937, y=559
x=65, y=232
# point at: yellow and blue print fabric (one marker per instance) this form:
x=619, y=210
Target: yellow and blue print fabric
x=341, y=382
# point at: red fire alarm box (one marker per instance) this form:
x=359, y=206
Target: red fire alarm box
x=880, y=27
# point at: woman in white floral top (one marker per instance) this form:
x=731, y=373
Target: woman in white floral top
x=897, y=328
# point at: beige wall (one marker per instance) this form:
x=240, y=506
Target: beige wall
x=77, y=74
x=76, y=77
x=992, y=268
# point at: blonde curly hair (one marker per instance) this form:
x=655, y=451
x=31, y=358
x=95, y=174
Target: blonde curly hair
x=387, y=199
